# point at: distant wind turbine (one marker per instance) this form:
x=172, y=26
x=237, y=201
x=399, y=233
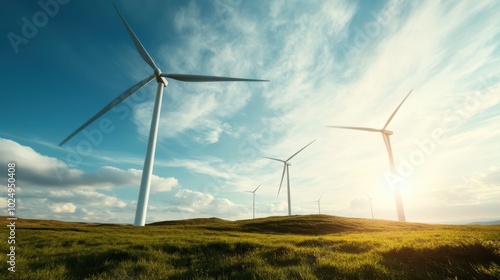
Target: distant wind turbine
x=253, y=192
x=386, y=134
x=370, y=199
x=142, y=202
x=319, y=205
x=286, y=164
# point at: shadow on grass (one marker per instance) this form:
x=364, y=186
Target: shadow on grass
x=218, y=248
x=85, y=265
x=218, y=260
x=56, y=229
x=338, y=246
x=366, y=271
x=443, y=261
x=213, y=260
x=282, y=256
x=289, y=227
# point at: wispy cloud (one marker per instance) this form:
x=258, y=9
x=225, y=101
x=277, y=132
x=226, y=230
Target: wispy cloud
x=430, y=47
x=203, y=108
x=446, y=52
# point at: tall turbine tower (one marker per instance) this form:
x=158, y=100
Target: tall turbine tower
x=319, y=205
x=253, y=192
x=386, y=135
x=286, y=164
x=142, y=202
x=371, y=207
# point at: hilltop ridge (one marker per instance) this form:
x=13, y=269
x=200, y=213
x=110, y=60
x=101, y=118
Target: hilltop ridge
x=296, y=224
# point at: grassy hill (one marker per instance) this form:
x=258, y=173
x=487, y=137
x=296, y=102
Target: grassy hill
x=296, y=247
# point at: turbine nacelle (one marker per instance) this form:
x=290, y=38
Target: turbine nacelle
x=161, y=80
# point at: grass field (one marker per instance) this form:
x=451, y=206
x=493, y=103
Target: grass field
x=296, y=247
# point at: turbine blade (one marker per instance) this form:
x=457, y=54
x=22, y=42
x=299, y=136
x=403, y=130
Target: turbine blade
x=257, y=188
x=299, y=151
x=320, y=197
x=389, y=151
x=112, y=104
x=395, y=111
x=140, y=48
x=282, y=176
x=275, y=159
x=356, y=128
x=201, y=78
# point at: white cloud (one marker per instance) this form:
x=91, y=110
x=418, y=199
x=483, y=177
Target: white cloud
x=85, y=197
x=79, y=194
x=196, y=202
x=3, y=201
x=36, y=170
x=192, y=201
x=34, y=165
x=63, y=208
x=276, y=207
x=478, y=188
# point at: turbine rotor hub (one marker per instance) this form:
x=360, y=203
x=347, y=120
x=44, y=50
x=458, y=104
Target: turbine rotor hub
x=159, y=78
x=387, y=132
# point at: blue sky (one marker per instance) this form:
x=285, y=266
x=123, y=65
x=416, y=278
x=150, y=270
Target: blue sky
x=330, y=63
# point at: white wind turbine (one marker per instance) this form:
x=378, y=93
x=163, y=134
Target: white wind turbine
x=319, y=205
x=286, y=164
x=253, y=192
x=160, y=78
x=386, y=135
x=370, y=199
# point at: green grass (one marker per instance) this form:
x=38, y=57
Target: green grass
x=296, y=247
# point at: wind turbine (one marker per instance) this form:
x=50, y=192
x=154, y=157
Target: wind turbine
x=286, y=164
x=386, y=135
x=319, y=206
x=370, y=199
x=142, y=202
x=254, y=199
